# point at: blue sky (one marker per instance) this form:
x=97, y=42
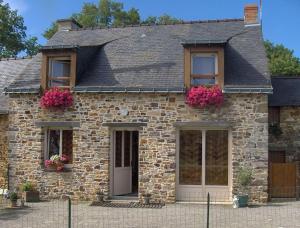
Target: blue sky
x=281, y=20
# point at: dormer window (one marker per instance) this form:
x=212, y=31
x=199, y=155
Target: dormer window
x=58, y=70
x=203, y=66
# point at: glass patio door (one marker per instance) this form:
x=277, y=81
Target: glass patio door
x=203, y=164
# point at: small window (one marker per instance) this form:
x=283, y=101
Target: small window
x=59, y=142
x=59, y=72
x=204, y=68
x=274, y=115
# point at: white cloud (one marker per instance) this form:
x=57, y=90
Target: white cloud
x=19, y=5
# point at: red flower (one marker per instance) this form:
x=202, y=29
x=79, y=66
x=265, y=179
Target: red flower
x=57, y=98
x=203, y=96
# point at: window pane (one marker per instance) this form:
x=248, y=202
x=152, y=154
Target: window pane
x=67, y=145
x=204, y=65
x=57, y=82
x=202, y=81
x=118, y=159
x=127, y=149
x=190, y=158
x=216, y=157
x=53, y=143
x=59, y=68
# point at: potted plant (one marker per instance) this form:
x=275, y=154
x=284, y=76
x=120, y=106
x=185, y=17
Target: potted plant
x=56, y=163
x=205, y=96
x=57, y=99
x=29, y=193
x=99, y=196
x=147, y=198
x=13, y=199
x=275, y=129
x=244, y=178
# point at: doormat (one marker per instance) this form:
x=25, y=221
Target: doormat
x=127, y=205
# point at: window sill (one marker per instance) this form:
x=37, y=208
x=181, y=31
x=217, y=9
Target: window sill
x=65, y=170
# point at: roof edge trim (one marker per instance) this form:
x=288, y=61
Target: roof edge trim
x=264, y=90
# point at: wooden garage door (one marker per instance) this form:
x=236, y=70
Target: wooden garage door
x=283, y=180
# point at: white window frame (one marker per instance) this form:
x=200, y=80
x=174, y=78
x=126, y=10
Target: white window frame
x=46, y=146
x=205, y=55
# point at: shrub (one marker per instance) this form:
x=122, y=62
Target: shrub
x=27, y=187
x=203, y=96
x=244, y=177
x=13, y=196
x=57, y=98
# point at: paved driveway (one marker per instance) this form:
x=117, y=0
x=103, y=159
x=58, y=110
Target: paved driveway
x=55, y=214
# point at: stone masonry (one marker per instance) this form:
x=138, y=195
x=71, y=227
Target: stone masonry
x=289, y=140
x=247, y=114
x=3, y=150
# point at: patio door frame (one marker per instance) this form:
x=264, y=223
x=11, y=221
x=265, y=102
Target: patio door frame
x=112, y=154
x=202, y=190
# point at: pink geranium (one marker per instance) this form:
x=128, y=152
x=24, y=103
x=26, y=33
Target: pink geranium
x=57, y=98
x=203, y=96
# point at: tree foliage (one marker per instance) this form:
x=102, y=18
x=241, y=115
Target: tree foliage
x=13, y=39
x=110, y=13
x=281, y=60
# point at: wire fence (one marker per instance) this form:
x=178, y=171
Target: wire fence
x=208, y=212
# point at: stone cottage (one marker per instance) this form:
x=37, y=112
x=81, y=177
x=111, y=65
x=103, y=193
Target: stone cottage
x=130, y=131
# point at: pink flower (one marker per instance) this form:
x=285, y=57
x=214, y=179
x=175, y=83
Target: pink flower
x=57, y=98
x=65, y=158
x=48, y=163
x=203, y=96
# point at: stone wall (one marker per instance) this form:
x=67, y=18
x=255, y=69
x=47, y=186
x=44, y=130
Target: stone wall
x=289, y=140
x=91, y=141
x=3, y=150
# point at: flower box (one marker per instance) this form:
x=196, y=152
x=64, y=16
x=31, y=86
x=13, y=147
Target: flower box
x=31, y=196
x=57, y=99
x=56, y=163
x=205, y=96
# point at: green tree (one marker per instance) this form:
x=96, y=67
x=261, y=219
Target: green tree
x=50, y=31
x=89, y=15
x=32, y=46
x=105, y=12
x=167, y=19
x=13, y=33
x=281, y=60
x=150, y=20
x=110, y=13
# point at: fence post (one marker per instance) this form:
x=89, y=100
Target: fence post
x=69, y=212
x=208, y=204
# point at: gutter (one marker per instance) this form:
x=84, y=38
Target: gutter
x=21, y=90
x=257, y=90
x=87, y=89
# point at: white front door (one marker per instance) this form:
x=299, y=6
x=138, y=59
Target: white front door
x=122, y=163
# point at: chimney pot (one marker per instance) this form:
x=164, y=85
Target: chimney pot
x=67, y=24
x=251, y=14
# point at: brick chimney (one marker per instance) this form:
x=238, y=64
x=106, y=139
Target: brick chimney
x=67, y=24
x=251, y=14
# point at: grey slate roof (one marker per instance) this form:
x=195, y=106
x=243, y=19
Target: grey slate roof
x=286, y=91
x=9, y=70
x=148, y=57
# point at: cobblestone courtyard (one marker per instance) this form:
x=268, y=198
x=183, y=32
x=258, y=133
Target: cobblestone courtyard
x=55, y=214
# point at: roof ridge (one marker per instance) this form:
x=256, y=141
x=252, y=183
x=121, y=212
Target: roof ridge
x=286, y=77
x=175, y=23
x=16, y=58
